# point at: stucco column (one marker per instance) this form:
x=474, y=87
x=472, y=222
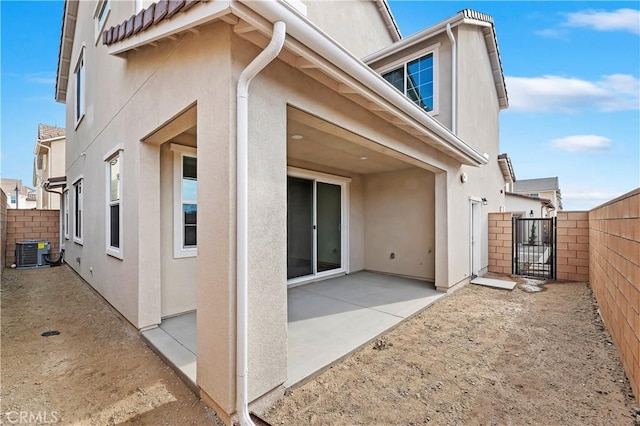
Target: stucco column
x=148, y=199
x=442, y=231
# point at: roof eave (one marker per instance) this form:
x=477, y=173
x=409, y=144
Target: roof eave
x=69, y=16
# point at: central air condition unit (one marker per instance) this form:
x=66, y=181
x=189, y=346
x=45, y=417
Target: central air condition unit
x=31, y=253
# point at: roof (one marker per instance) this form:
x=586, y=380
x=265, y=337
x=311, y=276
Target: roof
x=46, y=132
x=533, y=185
x=466, y=16
x=507, y=168
x=545, y=201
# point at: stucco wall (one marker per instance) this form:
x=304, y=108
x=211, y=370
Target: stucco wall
x=31, y=225
x=399, y=211
x=614, y=274
x=519, y=205
x=341, y=20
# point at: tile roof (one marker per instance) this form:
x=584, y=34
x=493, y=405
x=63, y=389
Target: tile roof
x=541, y=184
x=46, y=131
x=152, y=15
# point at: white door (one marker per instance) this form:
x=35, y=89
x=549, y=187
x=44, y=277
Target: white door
x=476, y=237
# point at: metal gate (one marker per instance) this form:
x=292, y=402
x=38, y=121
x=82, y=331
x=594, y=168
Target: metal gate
x=534, y=247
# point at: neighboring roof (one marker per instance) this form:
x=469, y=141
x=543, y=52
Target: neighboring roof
x=533, y=185
x=9, y=186
x=507, y=168
x=46, y=132
x=466, y=16
x=545, y=201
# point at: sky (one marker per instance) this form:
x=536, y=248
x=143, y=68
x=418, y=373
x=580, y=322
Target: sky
x=572, y=73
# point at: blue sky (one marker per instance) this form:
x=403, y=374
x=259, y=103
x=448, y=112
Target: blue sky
x=572, y=72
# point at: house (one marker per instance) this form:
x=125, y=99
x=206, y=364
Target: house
x=221, y=152
x=49, y=151
x=546, y=188
x=522, y=205
x=18, y=195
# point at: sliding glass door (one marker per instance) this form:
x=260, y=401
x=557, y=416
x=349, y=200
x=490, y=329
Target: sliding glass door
x=314, y=227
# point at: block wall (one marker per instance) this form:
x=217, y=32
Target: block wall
x=500, y=246
x=614, y=234
x=572, y=256
x=31, y=225
x=3, y=229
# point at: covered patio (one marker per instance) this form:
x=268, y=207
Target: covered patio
x=327, y=320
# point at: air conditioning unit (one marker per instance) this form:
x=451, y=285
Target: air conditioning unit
x=31, y=253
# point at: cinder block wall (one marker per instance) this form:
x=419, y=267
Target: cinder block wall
x=3, y=229
x=572, y=257
x=614, y=234
x=500, y=247
x=31, y=225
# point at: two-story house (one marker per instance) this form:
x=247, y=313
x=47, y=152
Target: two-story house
x=49, y=151
x=221, y=152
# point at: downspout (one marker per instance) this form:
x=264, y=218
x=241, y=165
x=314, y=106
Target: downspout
x=48, y=148
x=454, y=82
x=45, y=186
x=242, y=189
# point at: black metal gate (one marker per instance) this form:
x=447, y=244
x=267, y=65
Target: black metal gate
x=534, y=247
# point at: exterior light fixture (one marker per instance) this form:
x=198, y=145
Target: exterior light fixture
x=484, y=201
x=531, y=213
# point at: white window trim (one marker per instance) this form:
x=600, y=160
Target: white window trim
x=116, y=252
x=179, y=251
x=101, y=22
x=434, y=49
x=75, y=201
x=66, y=213
x=344, y=184
x=79, y=101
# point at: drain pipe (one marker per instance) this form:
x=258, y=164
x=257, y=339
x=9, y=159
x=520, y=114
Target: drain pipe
x=454, y=83
x=242, y=189
x=48, y=148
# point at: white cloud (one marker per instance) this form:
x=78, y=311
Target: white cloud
x=600, y=20
x=582, y=143
x=577, y=198
x=551, y=93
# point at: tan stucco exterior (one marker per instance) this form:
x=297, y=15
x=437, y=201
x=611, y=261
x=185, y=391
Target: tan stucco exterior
x=137, y=103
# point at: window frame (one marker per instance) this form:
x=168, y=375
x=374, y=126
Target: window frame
x=79, y=74
x=100, y=16
x=116, y=252
x=66, y=218
x=179, y=249
x=434, y=50
x=78, y=206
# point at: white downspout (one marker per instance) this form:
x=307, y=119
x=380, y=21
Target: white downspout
x=262, y=60
x=454, y=82
x=48, y=148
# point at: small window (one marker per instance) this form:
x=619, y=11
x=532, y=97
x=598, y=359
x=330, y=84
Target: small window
x=103, y=7
x=80, y=88
x=65, y=222
x=114, y=204
x=186, y=201
x=417, y=80
x=77, y=213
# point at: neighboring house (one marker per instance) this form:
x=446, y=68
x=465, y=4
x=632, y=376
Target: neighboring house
x=358, y=144
x=26, y=197
x=528, y=206
x=48, y=163
x=547, y=188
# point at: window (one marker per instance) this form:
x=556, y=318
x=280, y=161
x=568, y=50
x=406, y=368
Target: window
x=65, y=221
x=80, y=83
x=185, y=186
x=114, y=203
x=78, y=218
x=13, y=199
x=100, y=17
x=417, y=79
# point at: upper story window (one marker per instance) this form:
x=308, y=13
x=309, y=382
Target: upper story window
x=100, y=15
x=80, y=83
x=417, y=79
x=185, y=186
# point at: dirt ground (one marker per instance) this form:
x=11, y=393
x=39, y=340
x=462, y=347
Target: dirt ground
x=480, y=356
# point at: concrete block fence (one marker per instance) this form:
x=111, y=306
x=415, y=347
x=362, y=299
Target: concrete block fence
x=31, y=225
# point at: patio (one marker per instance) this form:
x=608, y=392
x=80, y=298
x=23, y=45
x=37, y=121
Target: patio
x=327, y=320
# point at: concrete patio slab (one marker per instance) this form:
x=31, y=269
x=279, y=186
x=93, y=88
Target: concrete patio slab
x=492, y=282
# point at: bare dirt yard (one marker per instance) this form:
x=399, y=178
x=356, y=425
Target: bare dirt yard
x=479, y=356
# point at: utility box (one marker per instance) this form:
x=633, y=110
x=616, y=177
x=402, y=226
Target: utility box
x=31, y=253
